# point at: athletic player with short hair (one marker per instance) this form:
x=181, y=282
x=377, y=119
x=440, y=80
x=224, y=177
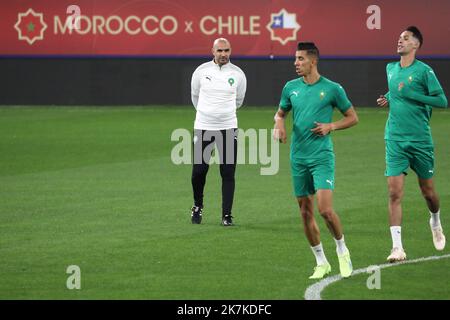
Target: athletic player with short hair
x=311, y=98
x=413, y=91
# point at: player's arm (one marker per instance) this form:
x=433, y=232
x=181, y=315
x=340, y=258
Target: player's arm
x=279, y=132
x=383, y=100
x=435, y=98
x=349, y=120
x=438, y=100
x=195, y=88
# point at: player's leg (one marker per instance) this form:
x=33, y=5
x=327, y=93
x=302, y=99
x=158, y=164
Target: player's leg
x=304, y=191
x=322, y=172
x=429, y=194
x=423, y=165
x=323, y=175
x=397, y=163
x=325, y=205
x=432, y=199
x=228, y=158
x=395, y=189
x=306, y=205
x=312, y=232
x=199, y=171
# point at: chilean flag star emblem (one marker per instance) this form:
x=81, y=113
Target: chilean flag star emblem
x=283, y=26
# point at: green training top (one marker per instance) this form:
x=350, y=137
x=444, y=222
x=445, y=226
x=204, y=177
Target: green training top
x=409, y=119
x=309, y=104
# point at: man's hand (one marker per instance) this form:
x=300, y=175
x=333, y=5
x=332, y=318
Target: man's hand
x=382, y=101
x=279, y=130
x=279, y=133
x=322, y=129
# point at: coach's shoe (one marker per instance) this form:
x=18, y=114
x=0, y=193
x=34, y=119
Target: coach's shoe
x=396, y=255
x=321, y=271
x=438, y=237
x=196, y=215
x=227, y=220
x=345, y=264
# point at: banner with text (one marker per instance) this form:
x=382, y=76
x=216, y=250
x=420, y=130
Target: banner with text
x=255, y=28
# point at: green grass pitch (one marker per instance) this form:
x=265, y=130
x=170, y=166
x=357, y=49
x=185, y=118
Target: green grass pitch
x=95, y=187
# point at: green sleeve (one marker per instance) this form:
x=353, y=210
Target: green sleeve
x=388, y=95
x=285, y=101
x=438, y=101
x=432, y=83
x=388, y=66
x=435, y=97
x=341, y=100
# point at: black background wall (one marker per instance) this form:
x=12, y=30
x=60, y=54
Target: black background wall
x=106, y=81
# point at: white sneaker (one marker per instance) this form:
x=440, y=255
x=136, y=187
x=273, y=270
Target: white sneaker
x=396, y=255
x=438, y=237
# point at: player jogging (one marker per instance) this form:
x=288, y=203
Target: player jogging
x=413, y=91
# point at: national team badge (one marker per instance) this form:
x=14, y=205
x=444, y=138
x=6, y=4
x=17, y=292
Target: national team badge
x=322, y=95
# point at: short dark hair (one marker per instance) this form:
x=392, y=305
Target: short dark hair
x=416, y=34
x=309, y=47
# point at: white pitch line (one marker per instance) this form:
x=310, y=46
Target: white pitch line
x=313, y=291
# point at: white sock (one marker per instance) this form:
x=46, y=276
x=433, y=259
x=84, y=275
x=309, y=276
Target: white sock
x=435, y=219
x=396, y=234
x=341, y=248
x=319, y=254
